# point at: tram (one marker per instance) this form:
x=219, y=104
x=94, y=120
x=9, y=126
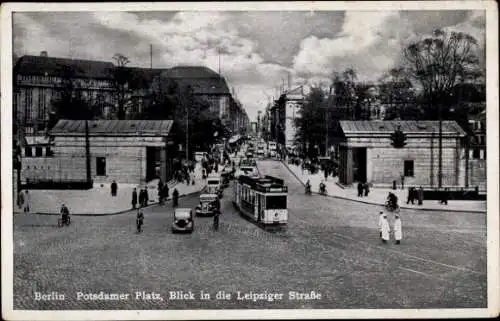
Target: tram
x=263, y=200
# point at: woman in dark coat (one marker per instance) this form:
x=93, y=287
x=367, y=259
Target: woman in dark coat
x=134, y=198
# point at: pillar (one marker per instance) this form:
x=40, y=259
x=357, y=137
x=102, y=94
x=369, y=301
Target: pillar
x=349, y=166
x=163, y=164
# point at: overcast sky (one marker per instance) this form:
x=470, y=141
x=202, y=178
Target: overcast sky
x=258, y=49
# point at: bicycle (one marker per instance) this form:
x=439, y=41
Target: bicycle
x=61, y=222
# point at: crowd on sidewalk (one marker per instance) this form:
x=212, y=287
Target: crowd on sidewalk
x=408, y=196
x=112, y=197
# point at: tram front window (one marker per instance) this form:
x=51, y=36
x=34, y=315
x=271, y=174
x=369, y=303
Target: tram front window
x=275, y=202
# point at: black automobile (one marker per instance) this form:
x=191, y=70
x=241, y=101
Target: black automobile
x=183, y=220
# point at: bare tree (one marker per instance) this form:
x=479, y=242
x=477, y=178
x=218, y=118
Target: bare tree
x=121, y=76
x=439, y=63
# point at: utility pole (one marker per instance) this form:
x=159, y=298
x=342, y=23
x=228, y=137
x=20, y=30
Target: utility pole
x=440, y=144
x=151, y=56
x=187, y=128
x=87, y=152
x=218, y=53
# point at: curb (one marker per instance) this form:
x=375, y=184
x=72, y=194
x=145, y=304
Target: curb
x=380, y=204
x=114, y=213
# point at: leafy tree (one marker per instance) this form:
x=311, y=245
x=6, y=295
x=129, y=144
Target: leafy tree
x=74, y=99
x=310, y=125
x=121, y=77
x=343, y=98
x=398, y=94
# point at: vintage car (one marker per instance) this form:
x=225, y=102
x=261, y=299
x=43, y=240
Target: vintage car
x=214, y=185
x=206, y=206
x=183, y=220
x=226, y=177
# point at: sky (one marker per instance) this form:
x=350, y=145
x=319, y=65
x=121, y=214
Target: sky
x=259, y=50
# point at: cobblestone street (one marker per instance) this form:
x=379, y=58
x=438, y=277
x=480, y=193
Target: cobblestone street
x=331, y=247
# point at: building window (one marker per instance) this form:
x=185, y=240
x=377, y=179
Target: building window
x=100, y=166
x=38, y=151
x=475, y=153
x=49, y=152
x=28, y=152
x=408, y=168
x=29, y=105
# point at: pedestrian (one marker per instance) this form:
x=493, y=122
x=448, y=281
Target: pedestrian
x=146, y=196
x=160, y=186
x=367, y=188
x=20, y=200
x=420, y=195
x=402, y=182
x=411, y=195
x=385, y=229
x=141, y=197
x=360, y=189
x=134, y=198
x=114, y=188
x=444, y=199
x=398, y=229
x=165, y=191
x=325, y=172
x=380, y=220
x=27, y=202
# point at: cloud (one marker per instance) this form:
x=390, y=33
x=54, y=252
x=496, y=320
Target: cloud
x=256, y=50
x=359, y=31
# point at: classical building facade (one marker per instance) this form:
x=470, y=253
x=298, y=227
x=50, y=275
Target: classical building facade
x=40, y=80
x=206, y=84
x=128, y=151
x=367, y=155
x=283, y=115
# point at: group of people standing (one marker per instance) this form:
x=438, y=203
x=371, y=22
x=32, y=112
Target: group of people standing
x=363, y=189
x=414, y=194
x=385, y=228
x=142, y=199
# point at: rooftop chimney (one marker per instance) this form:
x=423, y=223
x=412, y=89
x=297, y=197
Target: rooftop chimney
x=43, y=54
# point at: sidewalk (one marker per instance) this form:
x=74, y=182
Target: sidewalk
x=379, y=195
x=98, y=200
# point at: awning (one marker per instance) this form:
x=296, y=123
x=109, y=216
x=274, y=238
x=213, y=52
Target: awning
x=234, y=139
x=36, y=140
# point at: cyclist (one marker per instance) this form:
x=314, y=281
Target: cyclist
x=65, y=214
x=308, y=187
x=139, y=221
x=216, y=213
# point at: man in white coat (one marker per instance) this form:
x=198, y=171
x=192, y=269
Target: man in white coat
x=398, y=231
x=385, y=229
x=380, y=220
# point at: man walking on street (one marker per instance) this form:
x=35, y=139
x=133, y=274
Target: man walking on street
x=380, y=219
x=402, y=182
x=398, y=230
x=385, y=229
x=146, y=196
x=134, y=198
x=165, y=191
x=360, y=189
x=420, y=195
x=27, y=202
x=114, y=188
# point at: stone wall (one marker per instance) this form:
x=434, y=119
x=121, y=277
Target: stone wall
x=386, y=163
x=69, y=168
x=125, y=159
x=477, y=173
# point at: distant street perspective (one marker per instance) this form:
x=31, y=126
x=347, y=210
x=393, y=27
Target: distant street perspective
x=180, y=164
